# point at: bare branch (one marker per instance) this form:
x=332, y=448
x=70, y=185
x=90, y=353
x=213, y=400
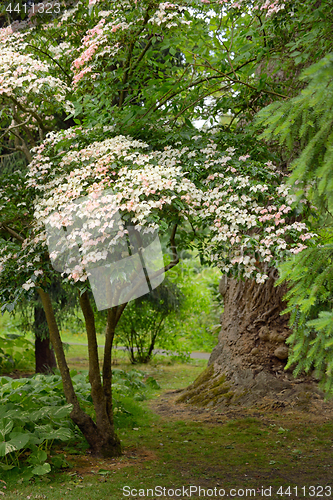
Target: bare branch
x=12, y=232
x=14, y=126
x=54, y=60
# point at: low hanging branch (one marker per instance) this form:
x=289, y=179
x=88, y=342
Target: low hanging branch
x=12, y=232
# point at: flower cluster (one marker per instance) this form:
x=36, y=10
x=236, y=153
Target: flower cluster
x=249, y=220
x=269, y=6
x=111, y=34
x=28, y=80
x=163, y=15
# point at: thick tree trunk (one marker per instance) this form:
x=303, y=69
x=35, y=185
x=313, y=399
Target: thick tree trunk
x=108, y=441
x=101, y=438
x=247, y=365
x=44, y=354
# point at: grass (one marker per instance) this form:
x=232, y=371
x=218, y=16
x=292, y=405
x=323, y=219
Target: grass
x=205, y=449
x=77, y=354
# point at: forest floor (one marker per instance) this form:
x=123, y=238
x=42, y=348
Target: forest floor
x=262, y=452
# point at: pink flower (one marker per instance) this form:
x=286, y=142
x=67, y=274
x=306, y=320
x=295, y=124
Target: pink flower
x=78, y=77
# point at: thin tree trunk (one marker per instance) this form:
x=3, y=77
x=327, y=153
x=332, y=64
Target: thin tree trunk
x=99, y=443
x=108, y=440
x=107, y=363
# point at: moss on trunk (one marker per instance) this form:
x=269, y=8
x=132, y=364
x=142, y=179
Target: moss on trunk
x=247, y=365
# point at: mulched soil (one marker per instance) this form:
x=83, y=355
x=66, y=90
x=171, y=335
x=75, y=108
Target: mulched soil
x=87, y=465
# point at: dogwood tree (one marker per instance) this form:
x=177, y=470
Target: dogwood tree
x=240, y=215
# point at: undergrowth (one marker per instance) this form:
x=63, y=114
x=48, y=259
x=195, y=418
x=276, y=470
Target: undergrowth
x=34, y=418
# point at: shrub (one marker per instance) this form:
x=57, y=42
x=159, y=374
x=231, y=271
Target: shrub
x=142, y=323
x=16, y=352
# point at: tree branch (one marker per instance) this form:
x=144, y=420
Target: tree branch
x=236, y=80
x=54, y=60
x=197, y=100
x=139, y=59
x=22, y=147
x=198, y=82
x=12, y=232
x=128, y=61
x=175, y=261
x=28, y=110
x=14, y=126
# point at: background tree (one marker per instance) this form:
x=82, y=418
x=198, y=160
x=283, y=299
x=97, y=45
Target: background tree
x=26, y=115
x=251, y=355
x=13, y=167
x=142, y=322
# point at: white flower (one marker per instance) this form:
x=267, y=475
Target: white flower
x=29, y=284
x=261, y=278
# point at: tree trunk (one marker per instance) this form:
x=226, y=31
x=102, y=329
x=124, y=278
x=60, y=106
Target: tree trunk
x=247, y=365
x=107, y=366
x=102, y=440
x=44, y=354
x=108, y=441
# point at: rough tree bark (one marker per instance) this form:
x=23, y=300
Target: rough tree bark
x=247, y=365
x=101, y=436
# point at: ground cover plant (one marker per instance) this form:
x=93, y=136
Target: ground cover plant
x=34, y=418
x=16, y=351
x=102, y=99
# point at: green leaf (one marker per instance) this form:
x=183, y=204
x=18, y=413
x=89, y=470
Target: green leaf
x=60, y=412
x=6, y=466
x=38, y=457
x=40, y=470
x=20, y=441
x=62, y=434
x=6, y=448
